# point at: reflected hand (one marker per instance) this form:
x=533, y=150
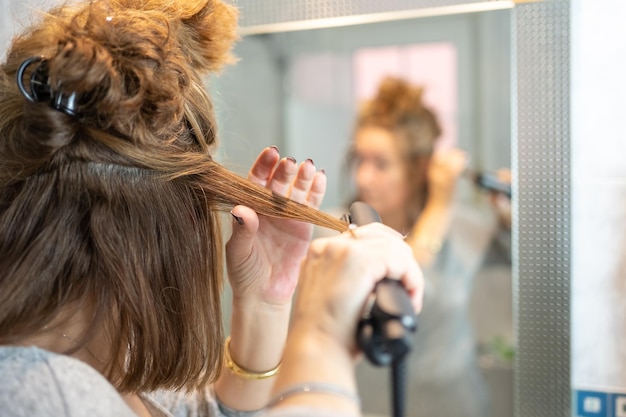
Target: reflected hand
x=263, y=254
x=443, y=172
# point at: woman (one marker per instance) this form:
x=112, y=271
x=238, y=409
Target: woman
x=399, y=172
x=111, y=261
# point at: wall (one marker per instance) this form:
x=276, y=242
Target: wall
x=17, y=15
x=598, y=88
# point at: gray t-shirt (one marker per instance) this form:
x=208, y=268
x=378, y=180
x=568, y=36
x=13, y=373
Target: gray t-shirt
x=38, y=383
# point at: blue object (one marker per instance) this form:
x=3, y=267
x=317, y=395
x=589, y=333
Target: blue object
x=599, y=404
x=592, y=404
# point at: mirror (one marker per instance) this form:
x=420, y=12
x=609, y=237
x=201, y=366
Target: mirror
x=300, y=90
x=251, y=99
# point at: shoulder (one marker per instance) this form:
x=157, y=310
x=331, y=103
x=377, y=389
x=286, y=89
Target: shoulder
x=202, y=402
x=182, y=404
x=35, y=382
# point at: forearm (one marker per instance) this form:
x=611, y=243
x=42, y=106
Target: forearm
x=258, y=334
x=429, y=231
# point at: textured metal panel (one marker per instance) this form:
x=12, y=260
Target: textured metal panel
x=266, y=12
x=542, y=219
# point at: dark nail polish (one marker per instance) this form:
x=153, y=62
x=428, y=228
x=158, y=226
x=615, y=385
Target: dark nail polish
x=309, y=160
x=238, y=219
x=292, y=159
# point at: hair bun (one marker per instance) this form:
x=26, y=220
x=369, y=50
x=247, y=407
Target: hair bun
x=130, y=60
x=211, y=32
x=135, y=67
x=206, y=31
x=398, y=106
x=397, y=96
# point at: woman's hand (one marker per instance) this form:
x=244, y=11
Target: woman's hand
x=339, y=273
x=263, y=258
x=263, y=254
x=445, y=167
x=336, y=278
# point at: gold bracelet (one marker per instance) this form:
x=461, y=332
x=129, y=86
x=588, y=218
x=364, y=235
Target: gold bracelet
x=243, y=372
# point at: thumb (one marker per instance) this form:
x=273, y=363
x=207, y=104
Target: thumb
x=245, y=225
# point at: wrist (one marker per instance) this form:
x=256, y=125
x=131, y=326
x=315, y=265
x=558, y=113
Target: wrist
x=324, y=391
x=439, y=201
x=241, y=371
x=310, y=339
x=316, y=358
x=276, y=297
x=256, y=305
x=319, y=356
x=258, y=332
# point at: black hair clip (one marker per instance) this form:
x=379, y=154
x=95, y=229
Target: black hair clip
x=40, y=90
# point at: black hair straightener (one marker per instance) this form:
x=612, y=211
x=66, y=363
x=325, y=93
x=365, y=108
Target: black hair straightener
x=384, y=332
x=489, y=182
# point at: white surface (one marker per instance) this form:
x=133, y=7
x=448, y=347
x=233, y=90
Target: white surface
x=598, y=194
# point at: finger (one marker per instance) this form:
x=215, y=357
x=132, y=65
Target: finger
x=400, y=264
x=245, y=226
x=318, y=246
x=264, y=166
x=283, y=175
x=413, y=281
x=317, y=190
x=372, y=230
x=395, y=255
x=300, y=186
x=399, y=261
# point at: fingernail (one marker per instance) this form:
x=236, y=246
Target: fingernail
x=275, y=148
x=238, y=219
x=309, y=160
x=323, y=171
x=292, y=159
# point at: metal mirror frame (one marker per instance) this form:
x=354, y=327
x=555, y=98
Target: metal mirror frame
x=541, y=221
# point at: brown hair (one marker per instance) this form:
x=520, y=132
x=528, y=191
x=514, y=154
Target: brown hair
x=399, y=108
x=116, y=207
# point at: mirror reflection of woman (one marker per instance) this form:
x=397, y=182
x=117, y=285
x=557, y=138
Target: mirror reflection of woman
x=398, y=171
